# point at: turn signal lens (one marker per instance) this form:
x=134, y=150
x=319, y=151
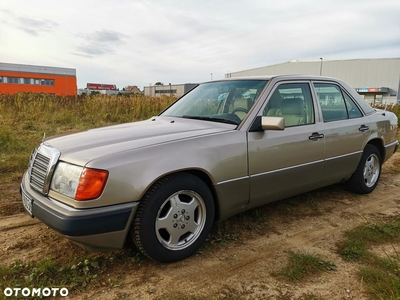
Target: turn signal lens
x=91, y=184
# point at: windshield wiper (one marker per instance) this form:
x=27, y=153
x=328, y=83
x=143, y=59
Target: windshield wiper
x=213, y=119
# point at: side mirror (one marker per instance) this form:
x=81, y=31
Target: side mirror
x=268, y=123
x=272, y=123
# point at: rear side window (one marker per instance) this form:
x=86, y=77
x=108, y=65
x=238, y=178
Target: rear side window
x=335, y=103
x=352, y=108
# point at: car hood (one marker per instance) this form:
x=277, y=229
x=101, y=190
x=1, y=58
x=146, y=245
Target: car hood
x=82, y=147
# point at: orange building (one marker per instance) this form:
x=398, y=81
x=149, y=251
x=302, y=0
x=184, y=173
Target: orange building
x=16, y=78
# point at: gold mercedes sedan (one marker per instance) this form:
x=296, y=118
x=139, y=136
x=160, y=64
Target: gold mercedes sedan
x=224, y=147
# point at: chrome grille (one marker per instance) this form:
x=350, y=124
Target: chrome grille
x=39, y=171
x=41, y=167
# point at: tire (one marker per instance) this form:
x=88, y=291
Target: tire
x=366, y=177
x=173, y=218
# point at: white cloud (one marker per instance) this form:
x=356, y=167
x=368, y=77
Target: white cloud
x=145, y=41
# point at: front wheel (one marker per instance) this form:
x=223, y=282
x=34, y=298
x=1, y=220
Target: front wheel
x=174, y=218
x=366, y=177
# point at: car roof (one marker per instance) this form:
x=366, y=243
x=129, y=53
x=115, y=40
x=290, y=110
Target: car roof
x=364, y=104
x=280, y=76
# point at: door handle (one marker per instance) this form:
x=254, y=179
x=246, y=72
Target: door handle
x=363, y=128
x=316, y=136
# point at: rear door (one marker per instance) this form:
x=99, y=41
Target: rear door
x=345, y=128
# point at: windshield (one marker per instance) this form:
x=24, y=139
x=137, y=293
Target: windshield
x=219, y=101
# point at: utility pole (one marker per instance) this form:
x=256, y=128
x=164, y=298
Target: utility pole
x=320, y=68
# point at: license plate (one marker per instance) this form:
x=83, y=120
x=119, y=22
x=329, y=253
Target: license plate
x=27, y=202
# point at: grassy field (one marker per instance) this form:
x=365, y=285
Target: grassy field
x=24, y=118
x=381, y=273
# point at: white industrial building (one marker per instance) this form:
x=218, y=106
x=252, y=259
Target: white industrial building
x=176, y=90
x=377, y=80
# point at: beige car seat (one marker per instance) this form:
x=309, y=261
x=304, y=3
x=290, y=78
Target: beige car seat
x=275, y=104
x=241, y=107
x=293, y=111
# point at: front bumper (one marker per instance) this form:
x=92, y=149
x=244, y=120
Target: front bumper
x=93, y=229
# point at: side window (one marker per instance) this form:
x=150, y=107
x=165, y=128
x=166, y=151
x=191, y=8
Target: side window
x=335, y=104
x=293, y=102
x=354, y=111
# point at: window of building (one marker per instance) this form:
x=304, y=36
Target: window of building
x=17, y=80
x=12, y=80
x=165, y=91
x=378, y=99
x=47, y=82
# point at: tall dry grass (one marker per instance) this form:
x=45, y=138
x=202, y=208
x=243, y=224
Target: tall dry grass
x=25, y=117
x=80, y=111
x=393, y=108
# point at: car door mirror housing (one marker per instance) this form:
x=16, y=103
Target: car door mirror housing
x=262, y=123
x=272, y=123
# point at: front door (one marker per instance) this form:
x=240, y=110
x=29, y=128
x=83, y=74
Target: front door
x=288, y=162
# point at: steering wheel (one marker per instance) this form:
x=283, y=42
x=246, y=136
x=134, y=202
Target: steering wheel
x=240, y=109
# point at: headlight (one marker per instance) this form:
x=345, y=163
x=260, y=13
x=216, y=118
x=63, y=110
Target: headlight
x=77, y=182
x=66, y=179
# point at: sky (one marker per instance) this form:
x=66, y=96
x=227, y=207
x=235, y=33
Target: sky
x=141, y=42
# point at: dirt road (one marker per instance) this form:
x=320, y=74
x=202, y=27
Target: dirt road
x=239, y=268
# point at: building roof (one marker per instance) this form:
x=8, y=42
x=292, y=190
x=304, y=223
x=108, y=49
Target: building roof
x=132, y=88
x=36, y=69
x=318, y=61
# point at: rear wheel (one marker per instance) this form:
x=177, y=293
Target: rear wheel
x=174, y=218
x=366, y=177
